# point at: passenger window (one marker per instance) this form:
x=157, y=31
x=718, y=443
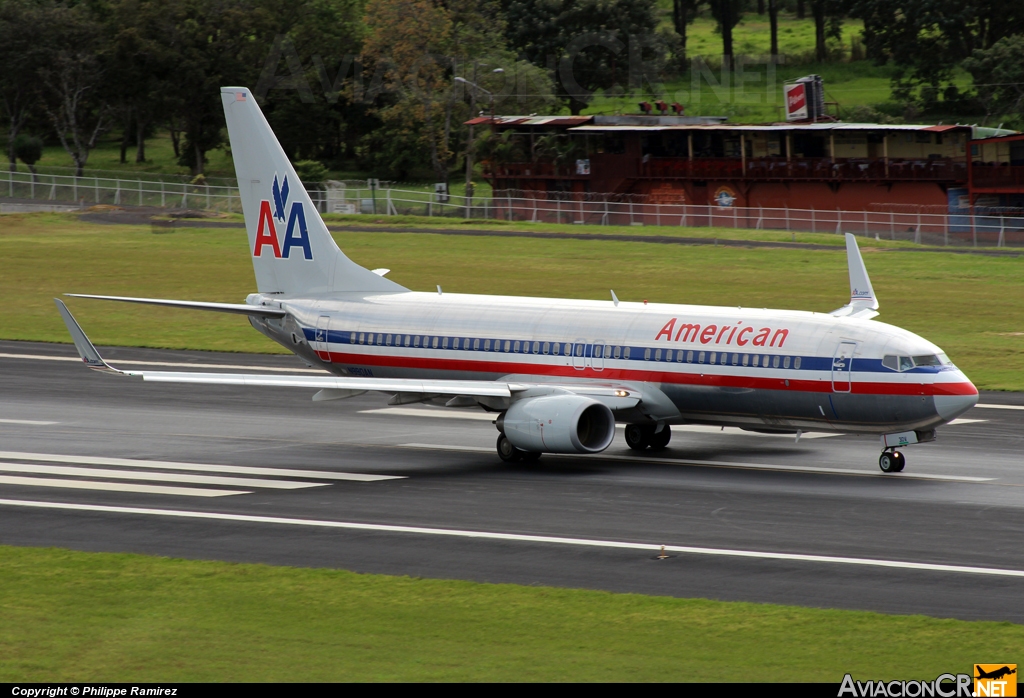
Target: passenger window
x=617, y=352
x=657, y=355
x=579, y=349
x=408, y=340
x=775, y=362
x=796, y=362
x=754, y=361
x=536, y=347
x=507, y=345
x=362, y=337
x=387, y=340
x=515, y=347
x=380, y=340
x=700, y=358
x=785, y=362
x=352, y=338
x=679, y=356
x=434, y=343
x=689, y=357
x=476, y=344
x=555, y=348
x=416, y=341
x=746, y=359
x=547, y=347
x=713, y=357
x=598, y=351
x=444, y=343
x=735, y=359
x=647, y=354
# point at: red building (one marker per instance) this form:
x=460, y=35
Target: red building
x=704, y=161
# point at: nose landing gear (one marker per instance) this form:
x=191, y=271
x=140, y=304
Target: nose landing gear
x=892, y=461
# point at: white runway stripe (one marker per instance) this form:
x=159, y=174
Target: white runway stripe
x=1001, y=407
x=200, y=467
x=122, y=362
x=444, y=413
x=31, y=422
x=116, y=486
x=109, y=474
x=725, y=464
x=523, y=538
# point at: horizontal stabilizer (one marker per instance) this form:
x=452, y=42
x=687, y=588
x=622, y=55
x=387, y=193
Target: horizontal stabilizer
x=236, y=308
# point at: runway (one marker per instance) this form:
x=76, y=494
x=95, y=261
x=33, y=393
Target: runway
x=97, y=462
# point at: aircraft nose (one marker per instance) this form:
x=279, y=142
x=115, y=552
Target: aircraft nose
x=950, y=407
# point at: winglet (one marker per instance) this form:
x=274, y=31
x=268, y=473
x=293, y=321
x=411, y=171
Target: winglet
x=86, y=350
x=863, y=303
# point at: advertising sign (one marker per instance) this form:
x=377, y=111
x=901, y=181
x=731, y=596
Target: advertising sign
x=796, y=102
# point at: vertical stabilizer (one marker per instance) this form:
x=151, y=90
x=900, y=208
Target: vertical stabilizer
x=292, y=251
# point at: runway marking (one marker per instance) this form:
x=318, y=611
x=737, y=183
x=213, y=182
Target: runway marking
x=1001, y=407
x=156, y=477
x=116, y=487
x=727, y=464
x=31, y=422
x=523, y=538
x=445, y=414
x=201, y=467
x=962, y=420
x=178, y=364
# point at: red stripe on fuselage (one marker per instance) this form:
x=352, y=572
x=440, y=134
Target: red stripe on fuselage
x=649, y=376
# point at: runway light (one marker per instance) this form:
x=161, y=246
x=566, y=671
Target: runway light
x=662, y=555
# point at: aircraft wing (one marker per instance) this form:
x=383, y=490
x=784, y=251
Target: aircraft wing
x=335, y=387
x=863, y=303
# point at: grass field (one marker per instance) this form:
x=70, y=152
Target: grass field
x=972, y=306
x=70, y=616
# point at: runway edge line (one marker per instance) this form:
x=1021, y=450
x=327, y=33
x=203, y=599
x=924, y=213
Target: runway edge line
x=527, y=538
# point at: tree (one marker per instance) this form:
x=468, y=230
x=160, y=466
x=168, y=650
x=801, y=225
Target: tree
x=21, y=56
x=29, y=149
x=683, y=14
x=727, y=14
x=72, y=84
x=773, y=24
x=928, y=39
x=828, y=24
x=589, y=44
x=998, y=74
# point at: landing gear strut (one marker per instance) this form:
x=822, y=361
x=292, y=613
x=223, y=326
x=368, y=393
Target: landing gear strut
x=640, y=437
x=892, y=461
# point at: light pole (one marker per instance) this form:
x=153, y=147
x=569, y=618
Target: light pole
x=469, y=141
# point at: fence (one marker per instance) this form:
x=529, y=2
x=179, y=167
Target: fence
x=982, y=227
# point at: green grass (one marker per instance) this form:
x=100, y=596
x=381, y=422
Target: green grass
x=71, y=616
x=971, y=306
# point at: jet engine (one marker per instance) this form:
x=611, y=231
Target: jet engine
x=558, y=424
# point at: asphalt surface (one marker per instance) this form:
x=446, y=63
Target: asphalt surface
x=267, y=475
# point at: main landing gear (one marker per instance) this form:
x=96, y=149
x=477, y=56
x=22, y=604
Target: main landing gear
x=892, y=461
x=510, y=454
x=640, y=437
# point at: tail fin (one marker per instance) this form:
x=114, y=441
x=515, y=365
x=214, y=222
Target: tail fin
x=292, y=251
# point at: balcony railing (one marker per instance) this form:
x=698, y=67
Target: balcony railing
x=997, y=176
x=531, y=169
x=767, y=169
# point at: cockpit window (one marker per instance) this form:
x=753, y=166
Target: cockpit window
x=929, y=360
x=891, y=361
x=906, y=363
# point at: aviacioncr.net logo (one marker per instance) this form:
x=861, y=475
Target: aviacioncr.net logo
x=296, y=232
x=944, y=686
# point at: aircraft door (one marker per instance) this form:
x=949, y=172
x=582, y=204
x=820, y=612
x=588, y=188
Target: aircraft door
x=579, y=351
x=597, y=355
x=321, y=338
x=842, y=365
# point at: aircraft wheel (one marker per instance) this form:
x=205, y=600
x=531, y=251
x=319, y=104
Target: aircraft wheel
x=506, y=451
x=888, y=462
x=531, y=456
x=638, y=436
x=901, y=461
x=661, y=439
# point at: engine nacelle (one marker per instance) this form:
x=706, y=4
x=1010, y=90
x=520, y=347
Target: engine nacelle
x=559, y=424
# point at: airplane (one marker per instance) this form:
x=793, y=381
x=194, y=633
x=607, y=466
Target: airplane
x=995, y=674
x=560, y=374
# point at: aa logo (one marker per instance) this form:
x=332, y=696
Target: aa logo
x=296, y=232
x=995, y=680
